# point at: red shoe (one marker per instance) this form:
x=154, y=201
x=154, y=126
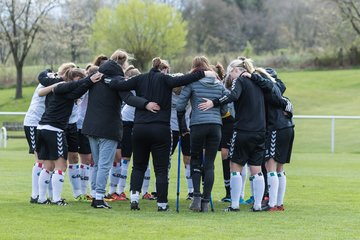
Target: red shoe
x=148, y=196
x=273, y=209
x=109, y=198
x=122, y=197
x=281, y=208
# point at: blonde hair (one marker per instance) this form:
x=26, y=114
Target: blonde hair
x=72, y=73
x=200, y=63
x=131, y=71
x=247, y=64
x=64, y=67
x=120, y=57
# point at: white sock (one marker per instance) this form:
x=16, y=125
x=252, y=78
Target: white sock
x=189, y=179
x=36, y=170
x=162, y=205
x=251, y=186
x=273, y=185
x=57, y=183
x=243, y=178
x=84, y=177
x=259, y=187
x=123, y=176
x=50, y=188
x=44, y=181
x=134, y=197
x=91, y=170
x=115, y=174
x=146, y=181
x=99, y=196
x=74, y=177
x=282, y=188
x=235, y=188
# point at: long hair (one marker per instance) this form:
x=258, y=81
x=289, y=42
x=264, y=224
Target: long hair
x=120, y=57
x=200, y=63
x=72, y=73
x=64, y=67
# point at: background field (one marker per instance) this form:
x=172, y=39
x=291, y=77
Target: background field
x=322, y=200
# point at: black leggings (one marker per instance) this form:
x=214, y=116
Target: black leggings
x=155, y=139
x=205, y=136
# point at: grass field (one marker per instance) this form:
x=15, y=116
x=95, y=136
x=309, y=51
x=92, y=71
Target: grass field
x=322, y=200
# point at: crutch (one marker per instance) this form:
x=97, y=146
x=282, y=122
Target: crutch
x=178, y=177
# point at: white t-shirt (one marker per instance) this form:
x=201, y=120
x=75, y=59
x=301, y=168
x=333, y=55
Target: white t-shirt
x=128, y=112
x=36, y=109
x=82, y=106
x=174, y=125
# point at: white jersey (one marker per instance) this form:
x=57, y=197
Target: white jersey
x=36, y=109
x=82, y=106
x=174, y=125
x=128, y=112
x=74, y=114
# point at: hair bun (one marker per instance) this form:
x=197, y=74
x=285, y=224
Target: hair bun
x=156, y=62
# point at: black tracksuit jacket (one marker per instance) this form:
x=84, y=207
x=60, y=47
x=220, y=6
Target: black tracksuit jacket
x=155, y=87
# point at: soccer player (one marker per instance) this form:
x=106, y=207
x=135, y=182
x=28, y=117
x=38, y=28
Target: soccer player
x=52, y=145
x=151, y=132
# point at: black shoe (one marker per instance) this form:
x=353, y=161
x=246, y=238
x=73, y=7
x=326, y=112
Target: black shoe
x=93, y=202
x=34, y=200
x=134, y=206
x=161, y=209
x=60, y=203
x=101, y=204
x=154, y=195
x=262, y=209
x=227, y=198
x=230, y=209
x=47, y=201
x=190, y=196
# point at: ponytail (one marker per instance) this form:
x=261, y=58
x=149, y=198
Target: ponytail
x=156, y=63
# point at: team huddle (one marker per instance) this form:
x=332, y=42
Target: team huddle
x=90, y=122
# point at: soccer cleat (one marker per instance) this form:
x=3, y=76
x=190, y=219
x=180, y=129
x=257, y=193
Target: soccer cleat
x=134, y=206
x=165, y=209
x=154, y=195
x=109, y=198
x=242, y=201
x=250, y=200
x=273, y=209
x=47, y=201
x=281, y=208
x=227, y=198
x=60, y=203
x=88, y=197
x=262, y=209
x=148, y=196
x=122, y=197
x=81, y=198
x=34, y=200
x=190, y=196
x=101, y=204
x=230, y=209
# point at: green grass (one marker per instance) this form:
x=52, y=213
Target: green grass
x=321, y=203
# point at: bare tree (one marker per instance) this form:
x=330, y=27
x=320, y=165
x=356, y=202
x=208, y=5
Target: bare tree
x=20, y=21
x=4, y=49
x=350, y=10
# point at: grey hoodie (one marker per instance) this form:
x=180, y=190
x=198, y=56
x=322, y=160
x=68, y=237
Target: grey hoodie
x=204, y=88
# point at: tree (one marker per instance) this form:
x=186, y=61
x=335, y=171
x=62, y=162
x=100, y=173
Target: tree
x=4, y=49
x=145, y=28
x=20, y=21
x=350, y=10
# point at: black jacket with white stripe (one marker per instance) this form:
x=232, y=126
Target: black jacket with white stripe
x=249, y=105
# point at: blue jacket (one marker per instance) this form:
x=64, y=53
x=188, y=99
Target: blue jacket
x=204, y=88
